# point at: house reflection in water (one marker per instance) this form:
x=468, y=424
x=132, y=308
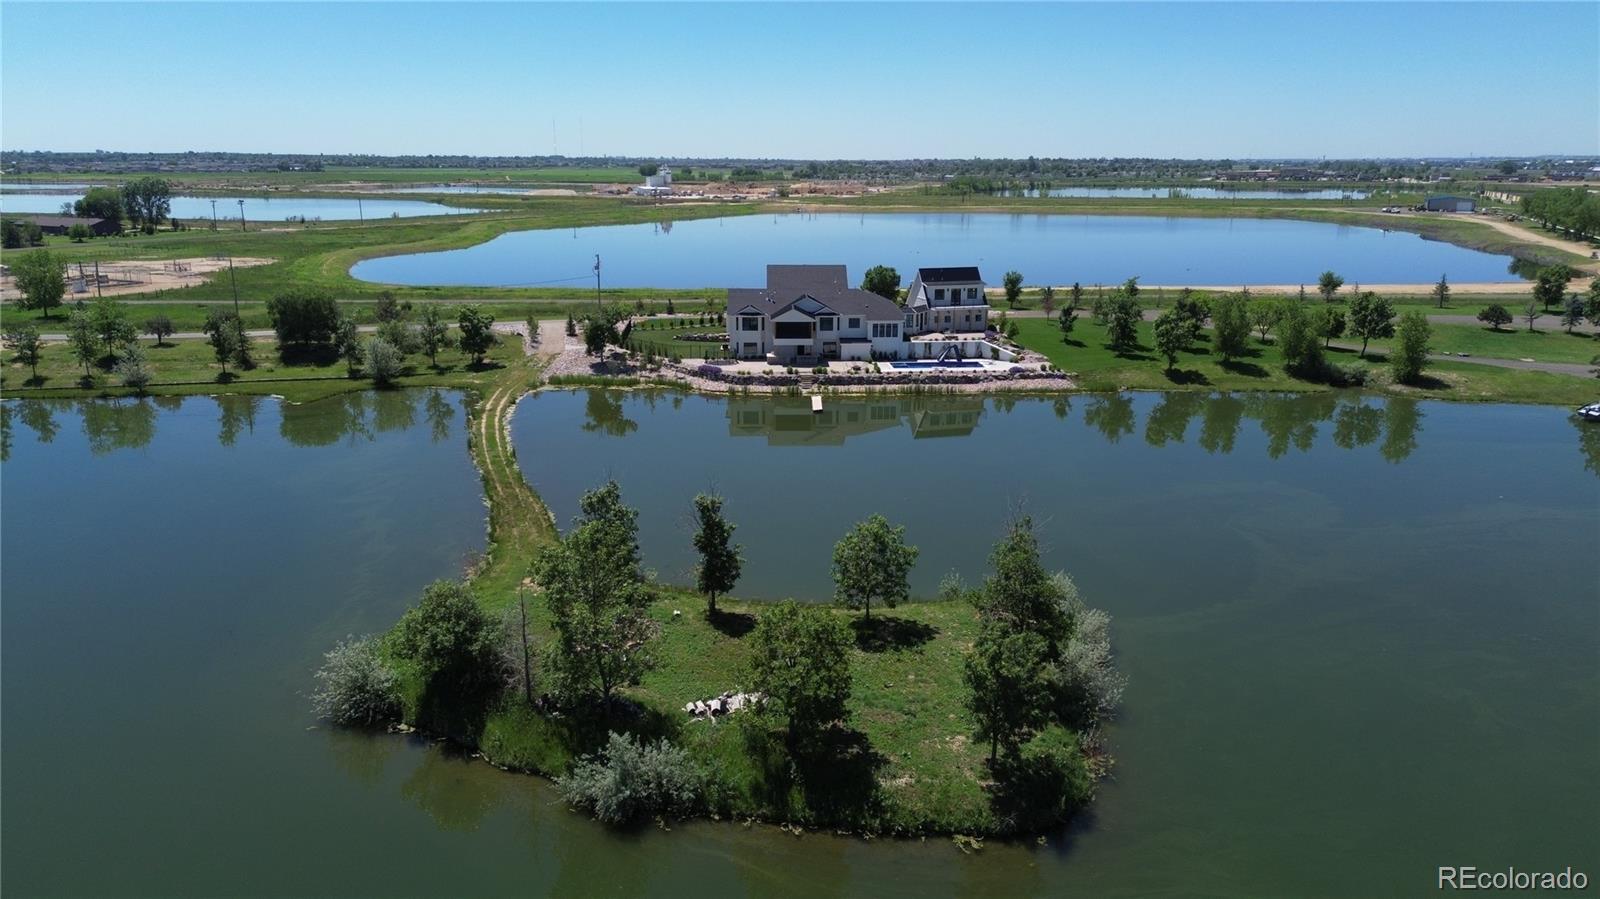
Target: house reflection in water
x=789, y=421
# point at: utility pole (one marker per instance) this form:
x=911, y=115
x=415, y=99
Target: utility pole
x=359, y=214
x=96, y=279
x=235, y=281
x=597, y=305
x=241, y=215
x=213, y=215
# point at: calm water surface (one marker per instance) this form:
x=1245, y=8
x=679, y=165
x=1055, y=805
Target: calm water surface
x=1362, y=636
x=1202, y=193
x=1054, y=249
x=256, y=209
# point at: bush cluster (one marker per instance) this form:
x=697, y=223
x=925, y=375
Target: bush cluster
x=633, y=779
x=355, y=686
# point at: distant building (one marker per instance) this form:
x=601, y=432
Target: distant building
x=1446, y=203
x=657, y=185
x=60, y=224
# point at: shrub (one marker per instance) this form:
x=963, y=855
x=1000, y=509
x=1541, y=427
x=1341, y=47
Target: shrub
x=354, y=686
x=1091, y=685
x=133, y=371
x=384, y=361
x=630, y=780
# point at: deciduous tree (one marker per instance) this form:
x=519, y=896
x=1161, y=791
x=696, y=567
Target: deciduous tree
x=1012, y=282
x=598, y=599
x=1371, y=318
x=433, y=332
x=1175, y=332
x=477, y=332
x=41, y=278
x=883, y=281
x=720, y=558
x=23, y=339
x=1122, y=323
x=872, y=562
x=160, y=327
x=1328, y=284
x=1410, y=353
x=1230, y=320
x=302, y=316
x=1008, y=683
x=800, y=661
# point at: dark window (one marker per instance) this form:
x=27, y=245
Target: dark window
x=855, y=323
x=792, y=330
x=826, y=323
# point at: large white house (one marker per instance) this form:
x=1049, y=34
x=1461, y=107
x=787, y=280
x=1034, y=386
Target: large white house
x=946, y=300
x=809, y=313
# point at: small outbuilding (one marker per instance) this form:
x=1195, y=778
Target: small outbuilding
x=1450, y=204
x=60, y=224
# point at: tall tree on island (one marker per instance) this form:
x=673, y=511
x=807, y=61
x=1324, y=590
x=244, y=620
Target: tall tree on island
x=599, y=599
x=872, y=562
x=720, y=559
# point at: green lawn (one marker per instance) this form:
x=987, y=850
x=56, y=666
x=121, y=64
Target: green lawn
x=1098, y=368
x=663, y=335
x=1547, y=344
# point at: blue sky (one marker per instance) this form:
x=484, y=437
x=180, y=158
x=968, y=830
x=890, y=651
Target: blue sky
x=805, y=81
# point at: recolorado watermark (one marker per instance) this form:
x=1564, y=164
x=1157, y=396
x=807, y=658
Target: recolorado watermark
x=1468, y=877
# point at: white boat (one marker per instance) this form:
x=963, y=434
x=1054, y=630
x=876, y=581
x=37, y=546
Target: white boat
x=1590, y=412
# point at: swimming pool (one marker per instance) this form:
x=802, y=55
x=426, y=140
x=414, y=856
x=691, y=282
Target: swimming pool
x=934, y=363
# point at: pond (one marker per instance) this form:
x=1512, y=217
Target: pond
x=1354, y=628
x=1377, y=644
x=1200, y=193
x=1053, y=249
x=256, y=209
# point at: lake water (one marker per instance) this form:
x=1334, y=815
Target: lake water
x=1361, y=636
x=1201, y=193
x=256, y=209
x=1054, y=249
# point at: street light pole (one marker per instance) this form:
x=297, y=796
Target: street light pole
x=234, y=279
x=359, y=214
x=597, y=304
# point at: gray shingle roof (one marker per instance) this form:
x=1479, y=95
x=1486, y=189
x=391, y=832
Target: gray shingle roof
x=825, y=284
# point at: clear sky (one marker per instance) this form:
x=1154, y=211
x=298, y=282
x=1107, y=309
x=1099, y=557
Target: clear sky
x=824, y=81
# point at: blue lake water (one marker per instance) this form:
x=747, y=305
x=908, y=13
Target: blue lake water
x=1202, y=193
x=256, y=209
x=1055, y=249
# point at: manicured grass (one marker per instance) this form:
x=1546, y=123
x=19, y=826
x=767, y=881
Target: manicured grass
x=1098, y=368
x=663, y=336
x=1547, y=344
